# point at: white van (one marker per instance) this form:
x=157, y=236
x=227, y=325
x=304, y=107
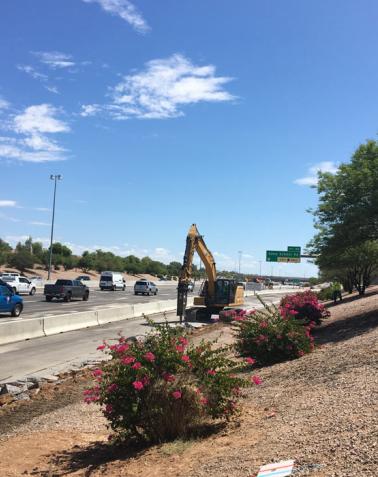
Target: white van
x=112, y=281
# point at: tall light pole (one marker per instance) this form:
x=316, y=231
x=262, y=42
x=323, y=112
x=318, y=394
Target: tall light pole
x=240, y=256
x=54, y=178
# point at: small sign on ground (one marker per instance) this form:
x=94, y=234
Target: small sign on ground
x=278, y=469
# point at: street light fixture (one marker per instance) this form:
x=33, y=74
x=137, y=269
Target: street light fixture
x=54, y=178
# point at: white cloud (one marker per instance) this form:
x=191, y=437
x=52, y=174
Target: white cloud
x=35, y=74
x=8, y=203
x=6, y=217
x=36, y=222
x=126, y=10
x=55, y=59
x=32, y=143
x=162, y=88
x=90, y=110
x=32, y=72
x=3, y=103
x=312, y=178
x=40, y=119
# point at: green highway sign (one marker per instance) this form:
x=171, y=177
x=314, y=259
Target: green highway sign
x=291, y=255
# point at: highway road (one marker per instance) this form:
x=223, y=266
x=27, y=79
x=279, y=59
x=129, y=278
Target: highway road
x=36, y=306
x=50, y=354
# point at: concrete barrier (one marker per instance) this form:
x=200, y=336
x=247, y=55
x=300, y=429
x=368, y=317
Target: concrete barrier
x=12, y=331
x=149, y=308
x=110, y=315
x=74, y=321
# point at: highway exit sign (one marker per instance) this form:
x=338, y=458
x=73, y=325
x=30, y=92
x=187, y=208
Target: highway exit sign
x=291, y=255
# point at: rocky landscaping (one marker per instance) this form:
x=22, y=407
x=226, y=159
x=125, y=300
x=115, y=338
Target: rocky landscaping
x=320, y=410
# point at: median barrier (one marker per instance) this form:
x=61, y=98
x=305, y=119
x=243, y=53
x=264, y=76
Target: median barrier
x=149, y=308
x=12, y=331
x=110, y=315
x=70, y=322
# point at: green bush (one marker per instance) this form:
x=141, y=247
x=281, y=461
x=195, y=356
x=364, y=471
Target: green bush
x=325, y=294
x=268, y=337
x=162, y=388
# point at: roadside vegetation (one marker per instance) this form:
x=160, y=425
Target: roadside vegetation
x=346, y=245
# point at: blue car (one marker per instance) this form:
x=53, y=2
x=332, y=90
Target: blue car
x=9, y=302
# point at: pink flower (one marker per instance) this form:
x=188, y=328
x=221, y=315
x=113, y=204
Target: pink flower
x=145, y=380
x=168, y=377
x=262, y=338
x=177, y=394
x=121, y=348
x=240, y=318
x=263, y=324
x=293, y=312
x=256, y=379
x=279, y=337
x=101, y=347
x=250, y=360
x=185, y=358
x=204, y=401
x=97, y=372
x=180, y=348
x=112, y=387
x=211, y=372
x=183, y=341
x=300, y=353
x=138, y=385
x=108, y=408
x=149, y=356
x=128, y=360
x=137, y=365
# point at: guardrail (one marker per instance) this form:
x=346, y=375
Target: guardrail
x=24, y=329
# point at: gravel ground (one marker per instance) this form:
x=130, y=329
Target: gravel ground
x=320, y=410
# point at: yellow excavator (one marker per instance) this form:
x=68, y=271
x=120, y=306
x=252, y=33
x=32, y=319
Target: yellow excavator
x=215, y=294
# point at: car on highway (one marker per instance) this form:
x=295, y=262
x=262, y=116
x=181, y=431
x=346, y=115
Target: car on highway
x=83, y=278
x=20, y=284
x=9, y=302
x=145, y=287
x=112, y=281
x=66, y=290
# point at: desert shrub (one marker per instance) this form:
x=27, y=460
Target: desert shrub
x=162, y=388
x=269, y=337
x=325, y=294
x=304, y=306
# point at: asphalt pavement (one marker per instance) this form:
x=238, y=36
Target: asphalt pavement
x=36, y=306
x=50, y=354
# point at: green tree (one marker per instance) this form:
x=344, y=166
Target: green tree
x=347, y=219
x=132, y=264
x=87, y=261
x=22, y=259
x=174, y=269
x=5, y=251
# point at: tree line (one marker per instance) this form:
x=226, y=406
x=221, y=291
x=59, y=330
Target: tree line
x=346, y=243
x=28, y=254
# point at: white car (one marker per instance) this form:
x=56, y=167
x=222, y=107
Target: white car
x=20, y=284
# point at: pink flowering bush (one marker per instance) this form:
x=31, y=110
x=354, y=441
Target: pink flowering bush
x=162, y=388
x=303, y=306
x=267, y=336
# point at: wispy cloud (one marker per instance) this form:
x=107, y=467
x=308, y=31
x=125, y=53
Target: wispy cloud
x=3, y=103
x=36, y=222
x=126, y=10
x=6, y=217
x=55, y=59
x=32, y=127
x=162, y=89
x=8, y=203
x=41, y=77
x=312, y=178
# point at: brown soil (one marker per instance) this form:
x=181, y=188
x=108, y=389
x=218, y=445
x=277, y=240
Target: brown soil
x=320, y=410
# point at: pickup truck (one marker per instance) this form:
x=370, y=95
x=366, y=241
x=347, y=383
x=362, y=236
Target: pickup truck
x=66, y=290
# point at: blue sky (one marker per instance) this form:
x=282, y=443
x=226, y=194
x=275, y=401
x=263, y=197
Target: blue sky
x=160, y=114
